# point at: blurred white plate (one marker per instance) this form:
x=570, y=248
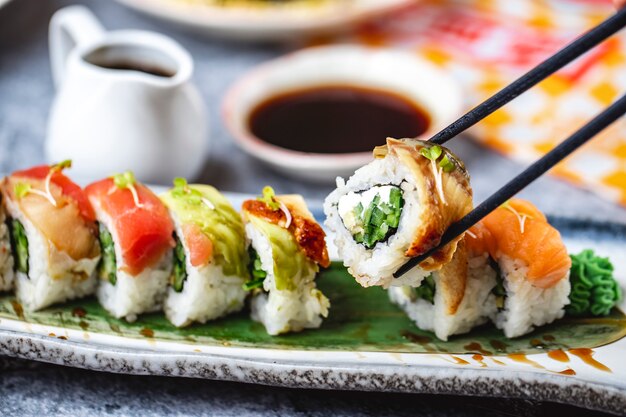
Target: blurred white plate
x=4, y=2
x=272, y=22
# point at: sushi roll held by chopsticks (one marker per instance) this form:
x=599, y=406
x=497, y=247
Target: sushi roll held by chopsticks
x=135, y=232
x=53, y=235
x=6, y=259
x=286, y=248
x=211, y=259
x=398, y=207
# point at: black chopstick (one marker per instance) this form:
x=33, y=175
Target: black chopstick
x=557, y=61
x=585, y=133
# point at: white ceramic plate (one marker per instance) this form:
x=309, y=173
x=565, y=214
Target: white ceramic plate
x=268, y=23
x=465, y=374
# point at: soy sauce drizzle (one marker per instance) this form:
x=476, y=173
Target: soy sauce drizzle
x=480, y=359
x=19, y=310
x=498, y=345
x=558, y=355
x=568, y=371
x=586, y=355
x=476, y=347
x=456, y=360
x=520, y=357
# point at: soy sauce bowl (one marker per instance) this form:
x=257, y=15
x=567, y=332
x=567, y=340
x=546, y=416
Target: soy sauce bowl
x=400, y=73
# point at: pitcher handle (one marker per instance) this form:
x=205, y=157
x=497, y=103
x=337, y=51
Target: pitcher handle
x=70, y=27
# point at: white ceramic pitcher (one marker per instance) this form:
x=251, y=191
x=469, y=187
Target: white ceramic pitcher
x=124, y=101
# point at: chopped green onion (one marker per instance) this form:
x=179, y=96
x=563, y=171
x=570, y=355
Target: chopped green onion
x=594, y=289
x=379, y=220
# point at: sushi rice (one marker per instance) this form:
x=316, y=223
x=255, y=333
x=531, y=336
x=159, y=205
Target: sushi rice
x=527, y=306
x=477, y=306
x=282, y=311
x=53, y=276
x=208, y=293
x=132, y=294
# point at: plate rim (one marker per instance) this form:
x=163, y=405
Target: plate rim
x=341, y=376
x=241, y=24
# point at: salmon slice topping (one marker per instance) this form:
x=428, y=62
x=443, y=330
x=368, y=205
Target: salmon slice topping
x=198, y=243
x=142, y=224
x=520, y=231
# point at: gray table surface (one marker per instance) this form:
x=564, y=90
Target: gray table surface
x=26, y=92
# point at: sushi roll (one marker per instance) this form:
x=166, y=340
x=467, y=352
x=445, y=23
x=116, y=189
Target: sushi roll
x=531, y=265
x=53, y=236
x=6, y=259
x=210, y=259
x=397, y=207
x=454, y=299
x=135, y=233
x=286, y=247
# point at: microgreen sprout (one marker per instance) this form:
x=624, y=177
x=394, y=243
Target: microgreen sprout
x=22, y=189
x=127, y=180
x=191, y=195
x=269, y=198
x=433, y=153
x=521, y=217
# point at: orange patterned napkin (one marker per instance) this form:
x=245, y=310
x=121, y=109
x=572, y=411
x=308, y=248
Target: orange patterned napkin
x=486, y=44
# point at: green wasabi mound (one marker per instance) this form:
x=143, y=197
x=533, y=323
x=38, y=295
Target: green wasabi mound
x=594, y=290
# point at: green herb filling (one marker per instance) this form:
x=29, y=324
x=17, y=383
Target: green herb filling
x=107, y=268
x=19, y=245
x=499, y=291
x=256, y=271
x=379, y=220
x=179, y=273
x=426, y=290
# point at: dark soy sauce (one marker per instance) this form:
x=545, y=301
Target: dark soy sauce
x=336, y=119
x=134, y=66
